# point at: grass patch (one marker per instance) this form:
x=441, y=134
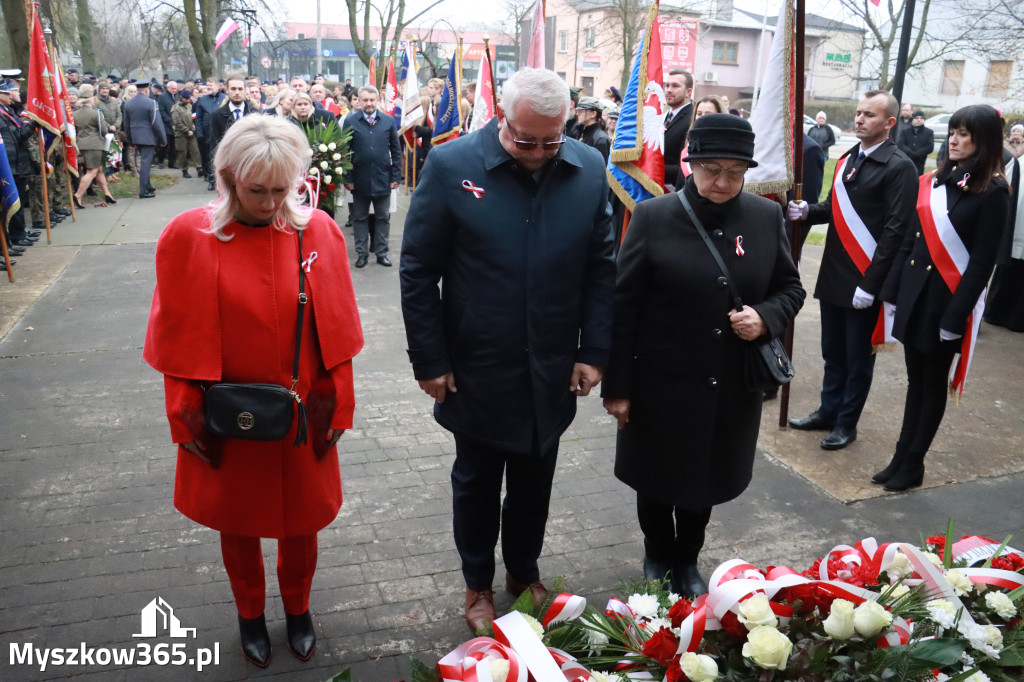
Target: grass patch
x=128, y=187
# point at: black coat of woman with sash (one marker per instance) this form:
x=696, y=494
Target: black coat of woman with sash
x=932, y=318
x=688, y=424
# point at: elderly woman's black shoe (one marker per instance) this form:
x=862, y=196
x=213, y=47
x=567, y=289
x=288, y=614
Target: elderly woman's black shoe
x=301, y=635
x=687, y=581
x=657, y=571
x=255, y=640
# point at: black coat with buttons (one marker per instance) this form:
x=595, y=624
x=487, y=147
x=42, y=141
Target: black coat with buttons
x=924, y=304
x=693, y=424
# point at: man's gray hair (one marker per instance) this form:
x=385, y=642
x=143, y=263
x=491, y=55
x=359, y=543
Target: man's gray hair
x=369, y=88
x=543, y=91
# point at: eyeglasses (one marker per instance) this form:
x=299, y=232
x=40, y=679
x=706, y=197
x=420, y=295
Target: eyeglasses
x=732, y=174
x=527, y=145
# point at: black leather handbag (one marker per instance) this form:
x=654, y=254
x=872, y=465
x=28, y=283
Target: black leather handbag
x=260, y=411
x=766, y=365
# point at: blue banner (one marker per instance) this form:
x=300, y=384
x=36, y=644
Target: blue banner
x=10, y=203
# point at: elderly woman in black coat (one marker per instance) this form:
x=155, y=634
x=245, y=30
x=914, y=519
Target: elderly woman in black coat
x=688, y=424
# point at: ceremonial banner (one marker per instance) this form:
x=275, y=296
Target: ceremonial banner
x=10, y=203
x=411, y=110
x=483, y=107
x=449, y=120
x=536, y=58
x=389, y=94
x=66, y=116
x=41, y=105
x=226, y=29
x=373, y=67
x=636, y=167
x=772, y=119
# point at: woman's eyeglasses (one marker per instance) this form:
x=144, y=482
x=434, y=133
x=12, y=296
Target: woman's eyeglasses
x=732, y=174
x=529, y=146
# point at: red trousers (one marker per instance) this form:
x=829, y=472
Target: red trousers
x=296, y=563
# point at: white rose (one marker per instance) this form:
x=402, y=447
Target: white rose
x=959, y=580
x=767, y=647
x=327, y=179
x=839, y=624
x=314, y=170
x=1001, y=604
x=332, y=146
x=499, y=669
x=756, y=611
x=643, y=605
x=339, y=170
x=322, y=148
x=324, y=165
x=698, y=667
x=870, y=618
x=336, y=157
x=942, y=612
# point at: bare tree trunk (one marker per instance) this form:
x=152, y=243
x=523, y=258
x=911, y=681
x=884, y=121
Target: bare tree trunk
x=17, y=31
x=201, y=32
x=85, y=28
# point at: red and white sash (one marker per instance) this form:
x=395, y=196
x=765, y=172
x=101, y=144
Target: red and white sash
x=685, y=165
x=860, y=245
x=950, y=257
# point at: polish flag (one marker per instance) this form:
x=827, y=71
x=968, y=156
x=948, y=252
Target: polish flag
x=535, y=58
x=226, y=29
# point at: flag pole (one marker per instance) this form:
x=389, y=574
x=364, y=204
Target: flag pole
x=490, y=71
x=458, y=88
x=42, y=175
x=796, y=227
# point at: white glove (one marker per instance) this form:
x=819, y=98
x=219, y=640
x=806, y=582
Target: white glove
x=797, y=210
x=948, y=336
x=862, y=299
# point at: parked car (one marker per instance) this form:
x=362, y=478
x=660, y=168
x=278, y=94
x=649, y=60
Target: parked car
x=810, y=123
x=939, y=124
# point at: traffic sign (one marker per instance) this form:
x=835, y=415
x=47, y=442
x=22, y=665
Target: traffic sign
x=265, y=62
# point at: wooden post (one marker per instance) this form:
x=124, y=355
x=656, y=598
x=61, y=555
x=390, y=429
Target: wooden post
x=67, y=178
x=42, y=178
x=7, y=258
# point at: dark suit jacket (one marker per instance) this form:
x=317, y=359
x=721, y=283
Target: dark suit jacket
x=527, y=274
x=675, y=140
x=883, y=192
x=222, y=118
x=376, y=156
x=142, y=122
x=675, y=355
x=917, y=142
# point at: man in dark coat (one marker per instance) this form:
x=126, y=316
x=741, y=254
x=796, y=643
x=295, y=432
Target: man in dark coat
x=515, y=224
x=376, y=170
x=144, y=130
x=205, y=106
x=165, y=102
x=235, y=107
x=678, y=97
x=16, y=132
x=868, y=211
x=917, y=142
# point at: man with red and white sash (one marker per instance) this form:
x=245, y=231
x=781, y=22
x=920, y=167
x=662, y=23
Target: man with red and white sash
x=868, y=210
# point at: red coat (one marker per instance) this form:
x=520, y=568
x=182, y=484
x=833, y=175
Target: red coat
x=226, y=311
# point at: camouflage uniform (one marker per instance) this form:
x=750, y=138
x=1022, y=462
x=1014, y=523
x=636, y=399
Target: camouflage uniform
x=185, y=137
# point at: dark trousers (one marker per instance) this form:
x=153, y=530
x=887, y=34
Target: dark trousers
x=849, y=362
x=146, y=153
x=677, y=542
x=296, y=564
x=479, y=512
x=361, y=223
x=16, y=228
x=204, y=154
x=927, y=389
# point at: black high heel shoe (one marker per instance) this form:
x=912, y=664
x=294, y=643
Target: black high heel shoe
x=909, y=475
x=78, y=204
x=109, y=199
x=255, y=640
x=301, y=635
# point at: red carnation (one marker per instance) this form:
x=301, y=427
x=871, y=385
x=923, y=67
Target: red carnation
x=662, y=646
x=679, y=611
x=938, y=542
x=675, y=671
x=809, y=597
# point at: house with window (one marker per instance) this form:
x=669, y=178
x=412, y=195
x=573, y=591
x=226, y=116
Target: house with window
x=970, y=76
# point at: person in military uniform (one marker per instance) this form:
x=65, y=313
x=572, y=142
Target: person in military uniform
x=589, y=113
x=185, y=135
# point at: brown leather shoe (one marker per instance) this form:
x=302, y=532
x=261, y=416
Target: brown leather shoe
x=537, y=589
x=479, y=608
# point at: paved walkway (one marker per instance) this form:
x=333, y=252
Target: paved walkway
x=89, y=535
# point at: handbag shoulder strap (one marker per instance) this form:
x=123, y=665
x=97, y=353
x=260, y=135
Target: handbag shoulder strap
x=733, y=293
x=303, y=299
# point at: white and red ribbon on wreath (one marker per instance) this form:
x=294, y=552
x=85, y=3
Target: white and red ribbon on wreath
x=312, y=183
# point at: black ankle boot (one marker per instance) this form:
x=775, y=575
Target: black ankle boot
x=910, y=474
x=885, y=474
x=657, y=571
x=255, y=640
x=687, y=581
x=301, y=635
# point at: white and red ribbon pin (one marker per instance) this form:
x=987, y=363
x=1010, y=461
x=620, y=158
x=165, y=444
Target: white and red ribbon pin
x=478, y=192
x=308, y=263
x=963, y=182
x=739, y=246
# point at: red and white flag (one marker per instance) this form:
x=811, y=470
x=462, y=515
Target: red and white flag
x=226, y=29
x=483, y=106
x=390, y=93
x=536, y=58
x=41, y=104
x=66, y=116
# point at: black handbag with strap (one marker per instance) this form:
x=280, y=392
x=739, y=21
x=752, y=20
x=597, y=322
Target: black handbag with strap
x=766, y=365
x=261, y=411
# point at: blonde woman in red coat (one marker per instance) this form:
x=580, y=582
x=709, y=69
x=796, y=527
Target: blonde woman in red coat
x=225, y=310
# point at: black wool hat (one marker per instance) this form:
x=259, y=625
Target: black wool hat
x=721, y=136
